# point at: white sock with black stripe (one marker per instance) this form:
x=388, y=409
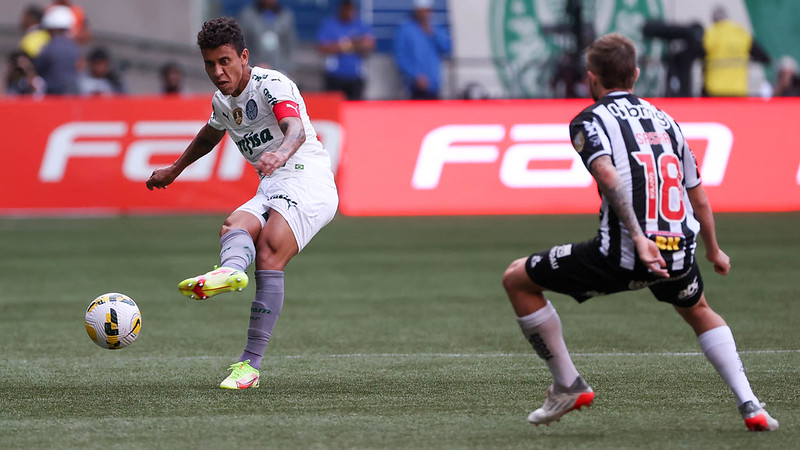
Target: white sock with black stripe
x=542, y=329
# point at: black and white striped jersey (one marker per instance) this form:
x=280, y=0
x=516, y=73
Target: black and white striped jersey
x=651, y=155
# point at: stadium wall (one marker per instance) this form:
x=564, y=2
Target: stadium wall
x=78, y=157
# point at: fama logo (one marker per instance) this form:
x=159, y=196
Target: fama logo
x=136, y=147
x=541, y=348
x=520, y=146
x=251, y=141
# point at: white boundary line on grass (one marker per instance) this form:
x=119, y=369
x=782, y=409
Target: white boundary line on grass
x=507, y=355
x=411, y=355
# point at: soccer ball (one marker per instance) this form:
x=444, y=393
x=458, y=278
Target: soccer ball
x=113, y=321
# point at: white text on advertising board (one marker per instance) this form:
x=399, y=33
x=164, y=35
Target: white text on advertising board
x=151, y=138
x=478, y=144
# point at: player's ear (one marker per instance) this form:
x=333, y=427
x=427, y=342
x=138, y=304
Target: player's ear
x=245, y=56
x=636, y=77
x=593, y=78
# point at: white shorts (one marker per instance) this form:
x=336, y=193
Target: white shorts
x=308, y=203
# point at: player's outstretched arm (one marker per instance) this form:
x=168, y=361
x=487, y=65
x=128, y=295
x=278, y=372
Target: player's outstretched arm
x=294, y=135
x=610, y=184
x=205, y=141
x=704, y=215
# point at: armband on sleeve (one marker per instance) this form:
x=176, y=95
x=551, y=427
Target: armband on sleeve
x=286, y=108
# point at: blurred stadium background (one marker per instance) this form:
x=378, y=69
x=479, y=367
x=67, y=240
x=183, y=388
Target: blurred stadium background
x=144, y=34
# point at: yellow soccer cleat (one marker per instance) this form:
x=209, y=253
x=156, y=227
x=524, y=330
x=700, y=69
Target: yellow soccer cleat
x=242, y=376
x=219, y=280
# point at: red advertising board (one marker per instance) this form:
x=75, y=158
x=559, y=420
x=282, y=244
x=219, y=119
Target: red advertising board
x=514, y=157
x=78, y=156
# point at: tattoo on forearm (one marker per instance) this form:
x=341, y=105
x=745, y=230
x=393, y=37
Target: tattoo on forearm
x=610, y=185
x=293, y=138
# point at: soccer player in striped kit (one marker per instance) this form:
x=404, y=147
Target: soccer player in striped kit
x=653, y=208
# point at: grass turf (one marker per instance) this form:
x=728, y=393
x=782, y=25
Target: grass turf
x=395, y=334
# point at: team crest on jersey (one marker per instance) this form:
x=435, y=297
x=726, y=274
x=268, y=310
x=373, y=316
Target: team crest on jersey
x=578, y=141
x=237, y=116
x=251, y=109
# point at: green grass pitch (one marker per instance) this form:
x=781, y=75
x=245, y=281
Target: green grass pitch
x=395, y=334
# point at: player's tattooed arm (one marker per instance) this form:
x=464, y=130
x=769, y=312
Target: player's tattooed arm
x=611, y=185
x=205, y=141
x=294, y=135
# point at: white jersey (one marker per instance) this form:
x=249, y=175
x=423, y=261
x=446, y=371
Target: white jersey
x=251, y=123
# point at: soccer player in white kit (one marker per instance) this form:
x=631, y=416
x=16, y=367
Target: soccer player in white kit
x=265, y=115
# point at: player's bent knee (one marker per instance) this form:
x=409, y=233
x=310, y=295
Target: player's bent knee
x=515, y=277
x=241, y=220
x=225, y=228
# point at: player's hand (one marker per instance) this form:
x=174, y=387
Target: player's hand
x=721, y=261
x=269, y=162
x=651, y=256
x=161, y=178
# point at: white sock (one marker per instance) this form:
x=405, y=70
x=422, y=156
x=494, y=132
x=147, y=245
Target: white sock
x=543, y=330
x=720, y=350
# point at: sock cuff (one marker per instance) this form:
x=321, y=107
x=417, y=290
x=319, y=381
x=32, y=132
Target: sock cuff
x=233, y=234
x=269, y=279
x=538, y=317
x=269, y=274
x=716, y=336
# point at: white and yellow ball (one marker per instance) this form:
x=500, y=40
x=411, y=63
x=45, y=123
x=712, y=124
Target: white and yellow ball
x=113, y=321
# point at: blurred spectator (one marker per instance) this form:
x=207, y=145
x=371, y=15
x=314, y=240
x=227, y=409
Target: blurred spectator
x=232, y=8
x=172, y=79
x=419, y=46
x=684, y=47
x=58, y=60
x=788, y=82
x=21, y=78
x=34, y=37
x=270, y=34
x=728, y=50
x=100, y=77
x=79, y=31
x=345, y=41
x=474, y=91
x=569, y=74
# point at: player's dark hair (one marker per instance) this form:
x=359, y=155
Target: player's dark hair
x=612, y=58
x=221, y=31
